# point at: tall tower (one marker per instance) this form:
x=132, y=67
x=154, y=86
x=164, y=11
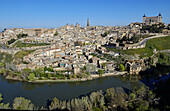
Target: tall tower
x=88, y=24
x=159, y=18
x=144, y=19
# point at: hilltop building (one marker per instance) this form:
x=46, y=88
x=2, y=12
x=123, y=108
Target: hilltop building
x=152, y=20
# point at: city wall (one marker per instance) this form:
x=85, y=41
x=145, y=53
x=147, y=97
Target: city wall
x=133, y=47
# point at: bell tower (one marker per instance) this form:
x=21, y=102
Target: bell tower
x=159, y=18
x=144, y=19
x=88, y=24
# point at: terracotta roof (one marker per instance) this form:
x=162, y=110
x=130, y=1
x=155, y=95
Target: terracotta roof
x=152, y=17
x=51, y=49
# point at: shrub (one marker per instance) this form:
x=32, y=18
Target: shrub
x=100, y=72
x=31, y=76
x=122, y=68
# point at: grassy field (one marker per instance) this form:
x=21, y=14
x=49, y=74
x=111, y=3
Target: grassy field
x=20, y=44
x=159, y=44
x=23, y=53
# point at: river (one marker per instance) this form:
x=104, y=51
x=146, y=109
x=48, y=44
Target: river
x=40, y=93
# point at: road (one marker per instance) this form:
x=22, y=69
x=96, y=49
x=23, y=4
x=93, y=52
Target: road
x=146, y=39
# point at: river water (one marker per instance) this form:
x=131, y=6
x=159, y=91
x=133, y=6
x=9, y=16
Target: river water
x=40, y=93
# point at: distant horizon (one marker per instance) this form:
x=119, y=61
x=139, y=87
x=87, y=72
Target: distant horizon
x=54, y=14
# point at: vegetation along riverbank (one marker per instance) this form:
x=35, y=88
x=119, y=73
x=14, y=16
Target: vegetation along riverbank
x=113, y=99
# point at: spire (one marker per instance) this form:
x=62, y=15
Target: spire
x=88, y=24
x=159, y=14
x=144, y=15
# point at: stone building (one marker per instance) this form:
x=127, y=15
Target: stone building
x=76, y=70
x=134, y=66
x=152, y=20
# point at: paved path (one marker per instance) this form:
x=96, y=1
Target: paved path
x=115, y=73
x=20, y=40
x=168, y=50
x=146, y=39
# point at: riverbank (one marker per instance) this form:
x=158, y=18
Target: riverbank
x=40, y=93
x=91, y=77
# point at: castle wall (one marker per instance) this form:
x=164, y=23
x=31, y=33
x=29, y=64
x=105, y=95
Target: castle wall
x=152, y=20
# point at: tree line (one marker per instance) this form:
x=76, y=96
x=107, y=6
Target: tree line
x=139, y=99
x=154, y=28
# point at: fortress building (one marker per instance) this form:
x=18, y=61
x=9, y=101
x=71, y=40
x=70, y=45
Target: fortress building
x=152, y=20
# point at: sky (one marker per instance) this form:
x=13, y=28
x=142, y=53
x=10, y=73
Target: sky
x=56, y=13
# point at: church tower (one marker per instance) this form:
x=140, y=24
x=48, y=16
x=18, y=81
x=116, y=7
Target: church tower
x=144, y=19
x=88, y=24
x=159, y=18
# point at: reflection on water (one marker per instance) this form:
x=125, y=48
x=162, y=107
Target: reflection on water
x=152, y=76
x=40, y=93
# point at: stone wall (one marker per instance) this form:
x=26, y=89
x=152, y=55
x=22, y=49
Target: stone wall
x=10, y=51
x=32, y=48
x=13, y=51
x=133, y=47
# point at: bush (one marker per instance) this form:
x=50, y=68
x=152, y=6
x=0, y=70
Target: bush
x=56, y=33
x=69, y=76
x=31, y=76
x=11, y=41
x=74, y=76
x=100, y=72
x=21, y=103
x=122, y=68
x=21, y=35
x=49, y=75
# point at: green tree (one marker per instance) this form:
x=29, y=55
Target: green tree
x=84, y=68
x=109, y=96
x=54, y=104
x=2, y=105
x=120, y=98
x=56, y=33
x=42, y=74
x=2, y=70
x=50, y=69
x=69, y=76
x=25, y=73
x=21, y=103
x=100, y=72
x=74, y=76
x=97, y=99
x=105, y=34
x=141, y=99
x=150, y=60
x=31, y=76
x=49, y=75
x=19, y=36
x=135, y=39
x=104, y=65
x=45, y=68
x=11, y=41
x=76, y=104
x=38, y=71
x=122, y=68
x=8, y=58
x=88, y=73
